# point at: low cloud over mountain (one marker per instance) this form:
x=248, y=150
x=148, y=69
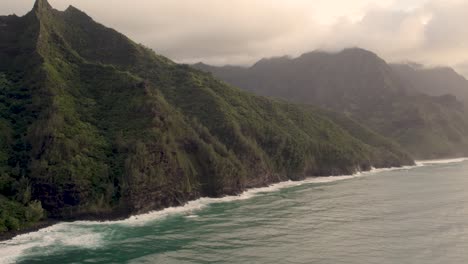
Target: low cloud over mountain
x=241, y=32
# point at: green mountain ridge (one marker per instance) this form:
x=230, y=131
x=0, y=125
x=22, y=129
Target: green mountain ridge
x=95, y=126
x=363, y=86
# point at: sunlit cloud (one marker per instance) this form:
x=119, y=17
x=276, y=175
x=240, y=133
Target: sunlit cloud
x=243, y=31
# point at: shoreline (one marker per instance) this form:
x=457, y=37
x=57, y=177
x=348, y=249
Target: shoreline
x=30, y=229
x=246, y=194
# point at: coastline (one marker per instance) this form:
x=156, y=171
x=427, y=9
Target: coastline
x=33, y=228
x=201, y=201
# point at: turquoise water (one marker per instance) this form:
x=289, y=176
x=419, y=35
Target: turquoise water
x=417, y=215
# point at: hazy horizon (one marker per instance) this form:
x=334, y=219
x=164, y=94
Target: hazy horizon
x=430, y=32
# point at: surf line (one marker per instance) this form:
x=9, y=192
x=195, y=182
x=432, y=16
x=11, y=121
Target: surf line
x=61, y=233
x=200, y=203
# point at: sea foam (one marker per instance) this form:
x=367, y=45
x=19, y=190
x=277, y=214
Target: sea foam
x=81, y=233
x=59, y=236
x=195, y=205
x=440, y=161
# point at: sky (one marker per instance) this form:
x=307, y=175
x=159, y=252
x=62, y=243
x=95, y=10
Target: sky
x=240, y=32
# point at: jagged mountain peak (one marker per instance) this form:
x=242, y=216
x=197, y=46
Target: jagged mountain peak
x=42, y=5
x=73, y=9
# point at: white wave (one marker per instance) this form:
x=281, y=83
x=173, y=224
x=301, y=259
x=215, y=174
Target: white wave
x=440, y=161
x=190, y=208
x=196, y=205
x=193, y=206
x=53, y=238
x=79, y=233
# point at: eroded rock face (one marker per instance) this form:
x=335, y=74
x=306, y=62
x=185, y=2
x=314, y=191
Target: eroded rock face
x=95, y=126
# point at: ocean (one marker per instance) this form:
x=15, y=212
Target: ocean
x=407, y=215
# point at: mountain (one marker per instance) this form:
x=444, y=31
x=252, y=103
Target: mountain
x=345, y=81
x=436, y=81
x=95, y=126
x=364, y=87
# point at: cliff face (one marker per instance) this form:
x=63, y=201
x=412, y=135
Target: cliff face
x=359, y=84
x=95, y=126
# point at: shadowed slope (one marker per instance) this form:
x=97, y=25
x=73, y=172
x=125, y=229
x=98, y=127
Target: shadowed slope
x=363, y=86
x=97, y=126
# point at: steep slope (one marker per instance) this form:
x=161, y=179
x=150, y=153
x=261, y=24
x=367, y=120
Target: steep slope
x=363, y=86
x=96, y=126
x=435, y=81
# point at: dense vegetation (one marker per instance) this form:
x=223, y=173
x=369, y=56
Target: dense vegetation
x=396, y=103
x=94, y=125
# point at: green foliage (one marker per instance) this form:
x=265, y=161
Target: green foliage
x=34, y=212
x=100, y=125
x=364, y=87
x=14, y=215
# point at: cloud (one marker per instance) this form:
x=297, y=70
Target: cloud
x=243, y=31
x=384, y=31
